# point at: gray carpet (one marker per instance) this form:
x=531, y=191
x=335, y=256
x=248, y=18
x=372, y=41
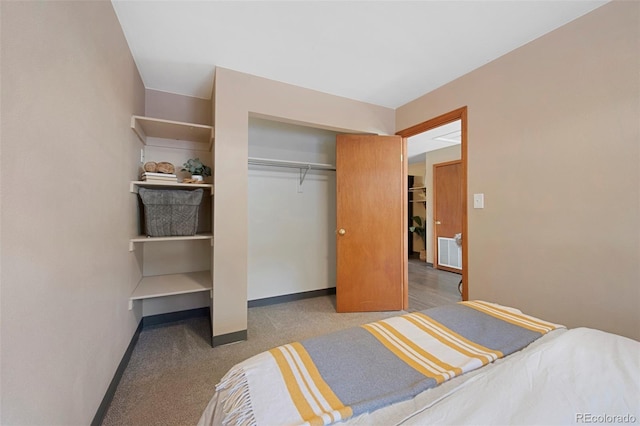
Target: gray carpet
x=173, y=369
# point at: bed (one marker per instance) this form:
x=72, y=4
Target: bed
x=468, y=363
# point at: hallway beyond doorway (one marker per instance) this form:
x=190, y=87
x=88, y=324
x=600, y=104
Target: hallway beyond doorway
x=429, y=287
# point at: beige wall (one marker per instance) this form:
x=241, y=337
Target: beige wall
x=170, y=106
x=416, y=169
x=237, y=96
x=69, y=88
x=554, y=146
x=434, y=157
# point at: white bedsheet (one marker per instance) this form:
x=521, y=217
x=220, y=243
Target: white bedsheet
x=581, y=376
x=565, y=377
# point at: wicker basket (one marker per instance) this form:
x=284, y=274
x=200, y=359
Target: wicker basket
x=170, y=212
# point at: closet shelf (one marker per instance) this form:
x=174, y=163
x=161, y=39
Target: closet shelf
x=172, y=284
x=304, y=167
x=145, y=239
x=146, y=127
x=419, y=194
x=134, y=185
x=291, y=164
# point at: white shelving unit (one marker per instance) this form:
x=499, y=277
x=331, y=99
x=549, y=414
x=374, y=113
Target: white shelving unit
x=134, y=185
x=421, y=192
x=418, y=207
x=146, y=239
x=146, y=127
x=179, y=135
x=172, y=284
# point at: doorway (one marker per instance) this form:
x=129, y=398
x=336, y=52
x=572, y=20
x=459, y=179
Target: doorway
x=459, y=116
x=447, y=216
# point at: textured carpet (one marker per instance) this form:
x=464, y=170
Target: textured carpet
x=173, y=370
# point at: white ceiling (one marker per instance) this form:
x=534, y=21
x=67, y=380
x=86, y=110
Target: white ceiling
x=441, y=137
x=383, y=52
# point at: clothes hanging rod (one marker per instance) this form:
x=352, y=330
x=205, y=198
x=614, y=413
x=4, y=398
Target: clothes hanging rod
x=290, y=164
x=304, y=167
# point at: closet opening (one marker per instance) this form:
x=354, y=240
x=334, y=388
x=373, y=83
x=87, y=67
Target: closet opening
x=291, y=211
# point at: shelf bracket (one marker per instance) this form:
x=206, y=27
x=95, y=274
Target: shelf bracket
x=304, y=175
x=130, y=304
x=132, y=246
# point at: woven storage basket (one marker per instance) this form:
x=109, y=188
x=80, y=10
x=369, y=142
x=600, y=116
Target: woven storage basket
x=170, y=212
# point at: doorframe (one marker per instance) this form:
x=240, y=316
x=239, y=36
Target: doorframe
x=435, y=234
x=457, y=114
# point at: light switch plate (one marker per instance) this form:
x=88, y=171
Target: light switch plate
x=478, y=201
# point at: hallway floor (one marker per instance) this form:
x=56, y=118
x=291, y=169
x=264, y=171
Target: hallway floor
x=430, y=287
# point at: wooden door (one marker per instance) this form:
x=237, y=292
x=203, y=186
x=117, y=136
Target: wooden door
x=371, y=235
x=447, y=201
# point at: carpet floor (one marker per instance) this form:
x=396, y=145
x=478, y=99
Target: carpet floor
x=173, y=369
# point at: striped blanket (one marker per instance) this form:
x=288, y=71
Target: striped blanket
x=333, y=377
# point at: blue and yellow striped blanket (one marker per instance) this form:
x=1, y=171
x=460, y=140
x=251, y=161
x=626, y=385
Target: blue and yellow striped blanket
x=333, y=377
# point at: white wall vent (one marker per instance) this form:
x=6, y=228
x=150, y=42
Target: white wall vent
x=449, y=253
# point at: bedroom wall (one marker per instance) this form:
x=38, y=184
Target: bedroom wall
x=69, y=88
x=553, y=145
x=292, y=242
x=238, y=96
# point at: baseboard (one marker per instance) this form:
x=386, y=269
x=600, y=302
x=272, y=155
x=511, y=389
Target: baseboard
x=174, y=316
x=225, y=339
x=111, y=390
x=144, y=322
x=290, y=297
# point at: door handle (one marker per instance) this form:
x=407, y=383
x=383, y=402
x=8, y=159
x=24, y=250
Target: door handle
x=341, y=231
x=438, y=222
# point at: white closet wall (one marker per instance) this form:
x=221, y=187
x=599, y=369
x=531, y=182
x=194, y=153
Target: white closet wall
x=291, y=226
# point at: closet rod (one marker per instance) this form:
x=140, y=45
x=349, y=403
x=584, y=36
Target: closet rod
x=304, y=167
x=292, y=164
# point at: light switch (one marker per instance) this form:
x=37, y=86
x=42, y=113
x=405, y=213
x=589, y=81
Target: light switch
x=478, y=201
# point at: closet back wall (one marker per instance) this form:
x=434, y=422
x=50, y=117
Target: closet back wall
x=291, y=229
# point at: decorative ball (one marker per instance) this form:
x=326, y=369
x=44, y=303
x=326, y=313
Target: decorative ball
x=164, y=167
x=150, y=166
